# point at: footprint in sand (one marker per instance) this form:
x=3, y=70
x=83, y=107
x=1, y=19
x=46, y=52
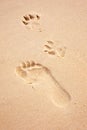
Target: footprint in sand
x=53, y=48
x=32, y=22
x=32, y=72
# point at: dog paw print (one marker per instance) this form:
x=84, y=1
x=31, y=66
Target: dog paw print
x=32, y=21
x=53, y=48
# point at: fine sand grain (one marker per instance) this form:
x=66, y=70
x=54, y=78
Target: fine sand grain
x=49, y=93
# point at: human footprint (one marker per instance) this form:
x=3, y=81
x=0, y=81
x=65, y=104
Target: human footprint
x=32, y=72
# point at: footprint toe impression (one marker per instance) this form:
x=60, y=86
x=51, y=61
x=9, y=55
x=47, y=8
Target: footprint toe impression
x=29, y=71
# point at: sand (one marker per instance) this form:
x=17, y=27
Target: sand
x=55, y=38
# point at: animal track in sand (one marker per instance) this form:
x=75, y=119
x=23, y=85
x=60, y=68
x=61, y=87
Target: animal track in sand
x=53, y=48
x=32, y=22
x=33, y=72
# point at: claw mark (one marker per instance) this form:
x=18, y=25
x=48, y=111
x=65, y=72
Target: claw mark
x=38, y=17
x=52, y=52
x=50, y=42
x=31, y=16
x=24, y=22
x=48, y=47
x=26, y=18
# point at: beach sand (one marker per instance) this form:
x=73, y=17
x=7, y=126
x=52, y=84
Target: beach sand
x=52, y=96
